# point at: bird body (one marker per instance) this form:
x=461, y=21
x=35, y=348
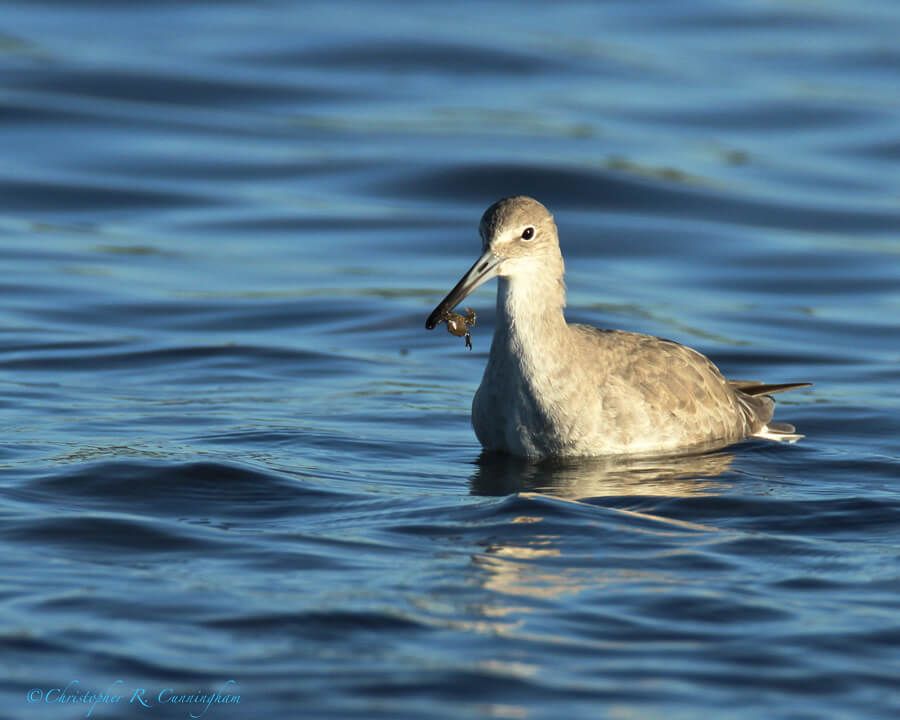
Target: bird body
x=553, y=389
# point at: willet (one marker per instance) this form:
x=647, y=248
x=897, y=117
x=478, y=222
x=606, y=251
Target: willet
x=551, y=389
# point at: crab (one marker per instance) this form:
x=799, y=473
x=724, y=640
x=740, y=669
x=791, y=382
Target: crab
x=459, y=324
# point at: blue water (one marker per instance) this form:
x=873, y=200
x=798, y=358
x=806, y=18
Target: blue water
x=233, y=453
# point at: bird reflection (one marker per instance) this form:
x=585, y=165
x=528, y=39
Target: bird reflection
x=574, y=478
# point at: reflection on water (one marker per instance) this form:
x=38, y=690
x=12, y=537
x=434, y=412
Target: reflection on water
x=673, y=476
x=537, y=563
x=514, y=570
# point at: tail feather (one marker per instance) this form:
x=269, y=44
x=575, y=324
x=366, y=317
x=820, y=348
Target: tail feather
x=752, y=394
x=752, y=387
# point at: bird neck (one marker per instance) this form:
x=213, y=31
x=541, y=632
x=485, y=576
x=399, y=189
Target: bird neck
x=530, y=313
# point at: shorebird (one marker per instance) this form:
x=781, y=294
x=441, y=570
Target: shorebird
x=555, y=389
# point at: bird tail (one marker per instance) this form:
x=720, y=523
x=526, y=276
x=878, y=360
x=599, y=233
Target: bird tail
x=750, y=387
x=756, y=396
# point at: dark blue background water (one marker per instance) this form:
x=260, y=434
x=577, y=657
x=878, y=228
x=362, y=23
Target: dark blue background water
x=232, y=452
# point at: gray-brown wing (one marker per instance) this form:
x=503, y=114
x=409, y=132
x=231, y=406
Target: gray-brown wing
x=675, y=387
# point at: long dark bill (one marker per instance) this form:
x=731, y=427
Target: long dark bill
x=485, y=268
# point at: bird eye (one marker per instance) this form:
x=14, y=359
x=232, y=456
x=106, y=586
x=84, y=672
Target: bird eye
x=528, y=233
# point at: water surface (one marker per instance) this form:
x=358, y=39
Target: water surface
x=234, y=453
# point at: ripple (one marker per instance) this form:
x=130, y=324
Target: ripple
x=21, y=195
x=75, y=534
x=577, y=188
x=166, y=89
x=166, y=489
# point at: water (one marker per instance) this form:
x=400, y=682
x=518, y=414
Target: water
x=232, y=452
